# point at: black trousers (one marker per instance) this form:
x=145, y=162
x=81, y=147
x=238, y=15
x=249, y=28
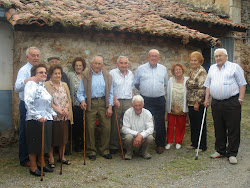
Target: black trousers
x=78, y=126
x=227, y=117
x=157, y=107
x=195, y=118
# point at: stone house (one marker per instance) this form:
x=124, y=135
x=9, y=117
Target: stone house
x=107, y=27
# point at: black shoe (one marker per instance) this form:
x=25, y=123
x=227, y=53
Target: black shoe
x=107, y=156
x=113, y=151
x=37, y=172
x=46, y=169
x=92, y=157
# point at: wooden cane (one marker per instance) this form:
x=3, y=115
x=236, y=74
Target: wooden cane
x=84, y=145
x=118, y=130
x=42, y=152
x=63, y=124
x=71, y=138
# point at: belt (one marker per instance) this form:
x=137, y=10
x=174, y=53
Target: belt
x=228, y=98
x=98, y=98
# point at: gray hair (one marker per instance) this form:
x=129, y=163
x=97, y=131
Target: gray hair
x=32, y=47
x=138, y=98
x=118, y=59
x=153, y=50
x=222, y=50
x=97, y=56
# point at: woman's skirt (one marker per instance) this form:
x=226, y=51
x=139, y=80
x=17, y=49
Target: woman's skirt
x=59, y=133
x=34, y=136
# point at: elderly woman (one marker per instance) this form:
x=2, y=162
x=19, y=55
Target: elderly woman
x=61, y=103
x=176, y=106
x=195, y=99
x=78, y=65
x=38, y=104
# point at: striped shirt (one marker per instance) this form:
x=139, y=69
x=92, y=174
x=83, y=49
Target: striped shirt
x=152, y=81
x=123, y=85
x=225, y=83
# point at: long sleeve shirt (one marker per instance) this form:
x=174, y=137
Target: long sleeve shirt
x=225, y=83
x=123, y=85
x=152, y=80
x=97, y=89
x=23, y=74
x=37, y=101
x=133, y=123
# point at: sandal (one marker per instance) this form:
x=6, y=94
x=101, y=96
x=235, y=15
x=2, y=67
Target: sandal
x=67, y=162
x=52, y=164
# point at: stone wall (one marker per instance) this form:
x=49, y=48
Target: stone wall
x=69, y=46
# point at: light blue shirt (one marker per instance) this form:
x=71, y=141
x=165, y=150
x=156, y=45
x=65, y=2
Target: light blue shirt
x=37, y=101
x=123, y=85
x=152, y=81
x=225, y=83
x=97, y=88
x=23, y=74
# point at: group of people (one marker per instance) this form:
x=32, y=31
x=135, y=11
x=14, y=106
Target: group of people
x=59, y=100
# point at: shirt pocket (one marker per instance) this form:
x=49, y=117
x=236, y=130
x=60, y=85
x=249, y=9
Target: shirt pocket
x=229, y=79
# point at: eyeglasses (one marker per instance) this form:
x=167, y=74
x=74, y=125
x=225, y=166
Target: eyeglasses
x=41, y=72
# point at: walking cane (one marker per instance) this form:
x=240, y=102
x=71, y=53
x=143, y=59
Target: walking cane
x=71, y=138
x=42, y=152
x=203, y=118
x=118, y=130
x=84, y=145
x=63, y=124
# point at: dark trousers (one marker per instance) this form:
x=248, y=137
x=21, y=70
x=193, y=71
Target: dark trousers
x=78, y=126
x=227, y=117
x=157, y=107
x=23, y=154
x=195, y=118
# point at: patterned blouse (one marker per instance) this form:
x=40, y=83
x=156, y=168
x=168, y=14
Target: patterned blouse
x=37, y=101
x=76, y=85
x=177, y=98
x=195, y=90
x=59, y=99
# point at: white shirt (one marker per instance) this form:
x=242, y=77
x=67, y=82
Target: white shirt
x=225, y=83
x=23, y=74
x=151, y=80
x=133, y=123
x=123, y=85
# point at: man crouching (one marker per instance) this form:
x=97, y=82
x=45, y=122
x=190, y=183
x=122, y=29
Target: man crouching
x=137, y=128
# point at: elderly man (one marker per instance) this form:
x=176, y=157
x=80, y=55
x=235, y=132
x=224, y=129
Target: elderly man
x=137, y=128
x=151, y=80
x=23, y=76
x=123, y=84
x=226, y=84
x=95, y=93
x=56, y=60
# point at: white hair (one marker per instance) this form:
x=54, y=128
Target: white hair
x=222, y=50
x=138, y=98
x=32, y=47
x=118, y=59
x=97, y=56
x=153, y=50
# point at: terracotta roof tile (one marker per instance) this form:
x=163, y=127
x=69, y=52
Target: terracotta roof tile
x=150, y=17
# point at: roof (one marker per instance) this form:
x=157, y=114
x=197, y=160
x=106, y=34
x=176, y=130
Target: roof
x=145, y=17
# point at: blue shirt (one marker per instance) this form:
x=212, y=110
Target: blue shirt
x=97, y=88
x=225, y=83
x=123, y=85
x=23, y=74
x=152, y=80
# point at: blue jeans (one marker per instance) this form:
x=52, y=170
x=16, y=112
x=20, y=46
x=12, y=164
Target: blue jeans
x=23, y=154
x=157, y=108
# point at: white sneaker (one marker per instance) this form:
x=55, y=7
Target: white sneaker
x=178, y=146
x=168, y=146
x=216, y=155
x=232, y=160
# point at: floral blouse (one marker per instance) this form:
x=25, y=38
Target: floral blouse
x=177, y=98
x=195, y=90
x=37, y=101
x=76, y=85
x=59, y=99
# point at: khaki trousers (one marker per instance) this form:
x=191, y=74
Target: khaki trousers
x=98, y=109
x=114, y=138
